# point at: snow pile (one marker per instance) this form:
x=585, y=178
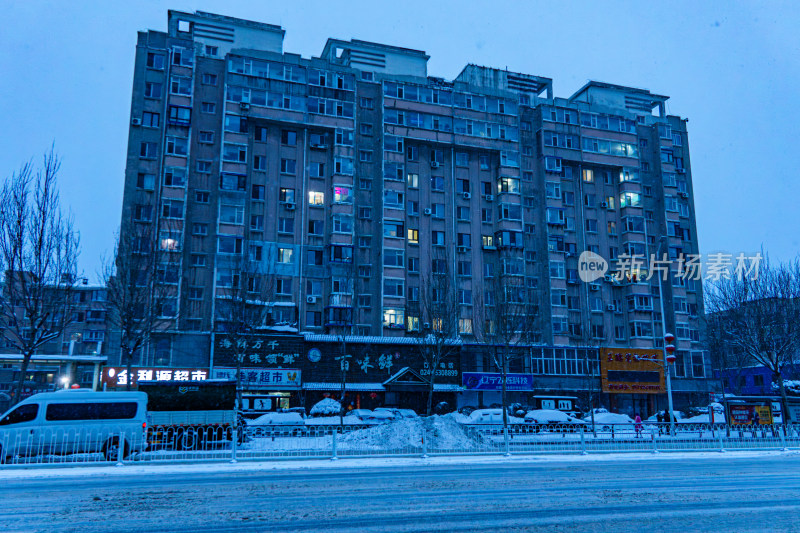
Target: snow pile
x=443, y=432
x=701, y=419
x=326, y=407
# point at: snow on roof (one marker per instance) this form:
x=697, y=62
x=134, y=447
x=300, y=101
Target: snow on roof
x=364, y=387
x=368, y=339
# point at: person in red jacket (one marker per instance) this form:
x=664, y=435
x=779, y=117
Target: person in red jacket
x=638, y=426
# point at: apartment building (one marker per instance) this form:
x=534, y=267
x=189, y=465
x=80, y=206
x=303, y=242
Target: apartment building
x=355, y=175
x=73, y=357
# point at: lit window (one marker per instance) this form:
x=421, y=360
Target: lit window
x=316, y=198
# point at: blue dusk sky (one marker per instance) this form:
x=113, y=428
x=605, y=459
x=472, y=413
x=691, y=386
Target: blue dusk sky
x=732, y=68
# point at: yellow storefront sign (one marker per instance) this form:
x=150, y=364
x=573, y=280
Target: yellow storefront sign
x=632, y=371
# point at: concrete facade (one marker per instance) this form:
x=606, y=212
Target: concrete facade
x=357, y=168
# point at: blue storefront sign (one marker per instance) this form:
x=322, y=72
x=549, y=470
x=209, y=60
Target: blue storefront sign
x=493, y=381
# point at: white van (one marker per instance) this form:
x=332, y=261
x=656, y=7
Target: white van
x=75, y=421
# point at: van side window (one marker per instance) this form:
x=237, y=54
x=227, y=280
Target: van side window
x=91, y=411
x=23, y=413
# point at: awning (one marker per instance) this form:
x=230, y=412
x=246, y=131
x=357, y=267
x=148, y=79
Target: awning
x=363, y=387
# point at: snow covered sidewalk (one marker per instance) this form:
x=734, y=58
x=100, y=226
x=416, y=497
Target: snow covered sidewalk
x=158, y=469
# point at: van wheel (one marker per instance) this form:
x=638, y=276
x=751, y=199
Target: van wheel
x=189, y=440
x=111, y=449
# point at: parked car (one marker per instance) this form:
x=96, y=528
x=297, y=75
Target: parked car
x=597, y=410
x=365, y=416
x=492, y=416
x=279, y=424
x=75, y=421
x=397, y=413
x=553, y=420
x=607, y=421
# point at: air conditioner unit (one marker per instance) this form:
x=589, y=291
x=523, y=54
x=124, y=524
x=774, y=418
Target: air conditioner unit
x=317, y=146
x=489, y=197
x=610, y=307
x=594, y=287
x=311, y=299
x=609, y=278
x=427, y=211
x=680, y=170
x=683, y=194
x=604, y=205
x=569, y=254
x=244, y=106
x=289, y=206
x=426, y=325
x=136, y=121
x=435, y=164
x=467, y=196
x=462, y=249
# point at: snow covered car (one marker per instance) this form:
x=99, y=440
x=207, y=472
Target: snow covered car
x=278, y=424
x=553, y=420
x=396, y=412
x=493, y=417
x=365, y=416
x=607, y=421
x=597, y=410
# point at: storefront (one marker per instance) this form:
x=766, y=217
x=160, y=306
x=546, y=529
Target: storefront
x=633, y=379
x=376, y=371
x=48, y=373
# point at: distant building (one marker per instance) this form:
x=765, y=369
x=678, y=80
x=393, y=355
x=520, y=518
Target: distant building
x=74, y=357
x=355, y=174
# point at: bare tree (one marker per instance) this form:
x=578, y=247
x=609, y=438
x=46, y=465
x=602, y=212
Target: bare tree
x=759, y=314
x=507, y=319
x=436, y=334
x=141, y=287
x=39, y=254
x=246, y=306
x=592, y=340
x=729, y=360
x=345, y=304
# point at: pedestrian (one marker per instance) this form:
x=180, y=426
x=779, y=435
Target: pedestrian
x=756, y=418
x=660, y=419
x=638, y=426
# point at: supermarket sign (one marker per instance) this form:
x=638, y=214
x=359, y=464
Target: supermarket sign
x=282, y=378
x=115, y=376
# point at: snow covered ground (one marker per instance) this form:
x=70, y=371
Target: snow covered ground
x=110, y=470
x=630, y=492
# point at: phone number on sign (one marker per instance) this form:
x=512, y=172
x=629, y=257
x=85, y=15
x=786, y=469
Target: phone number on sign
x=439, y=372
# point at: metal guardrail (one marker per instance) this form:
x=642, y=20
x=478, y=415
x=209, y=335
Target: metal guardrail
x=420, y=437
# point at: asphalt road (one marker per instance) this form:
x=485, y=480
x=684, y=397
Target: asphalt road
x=661, y=495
